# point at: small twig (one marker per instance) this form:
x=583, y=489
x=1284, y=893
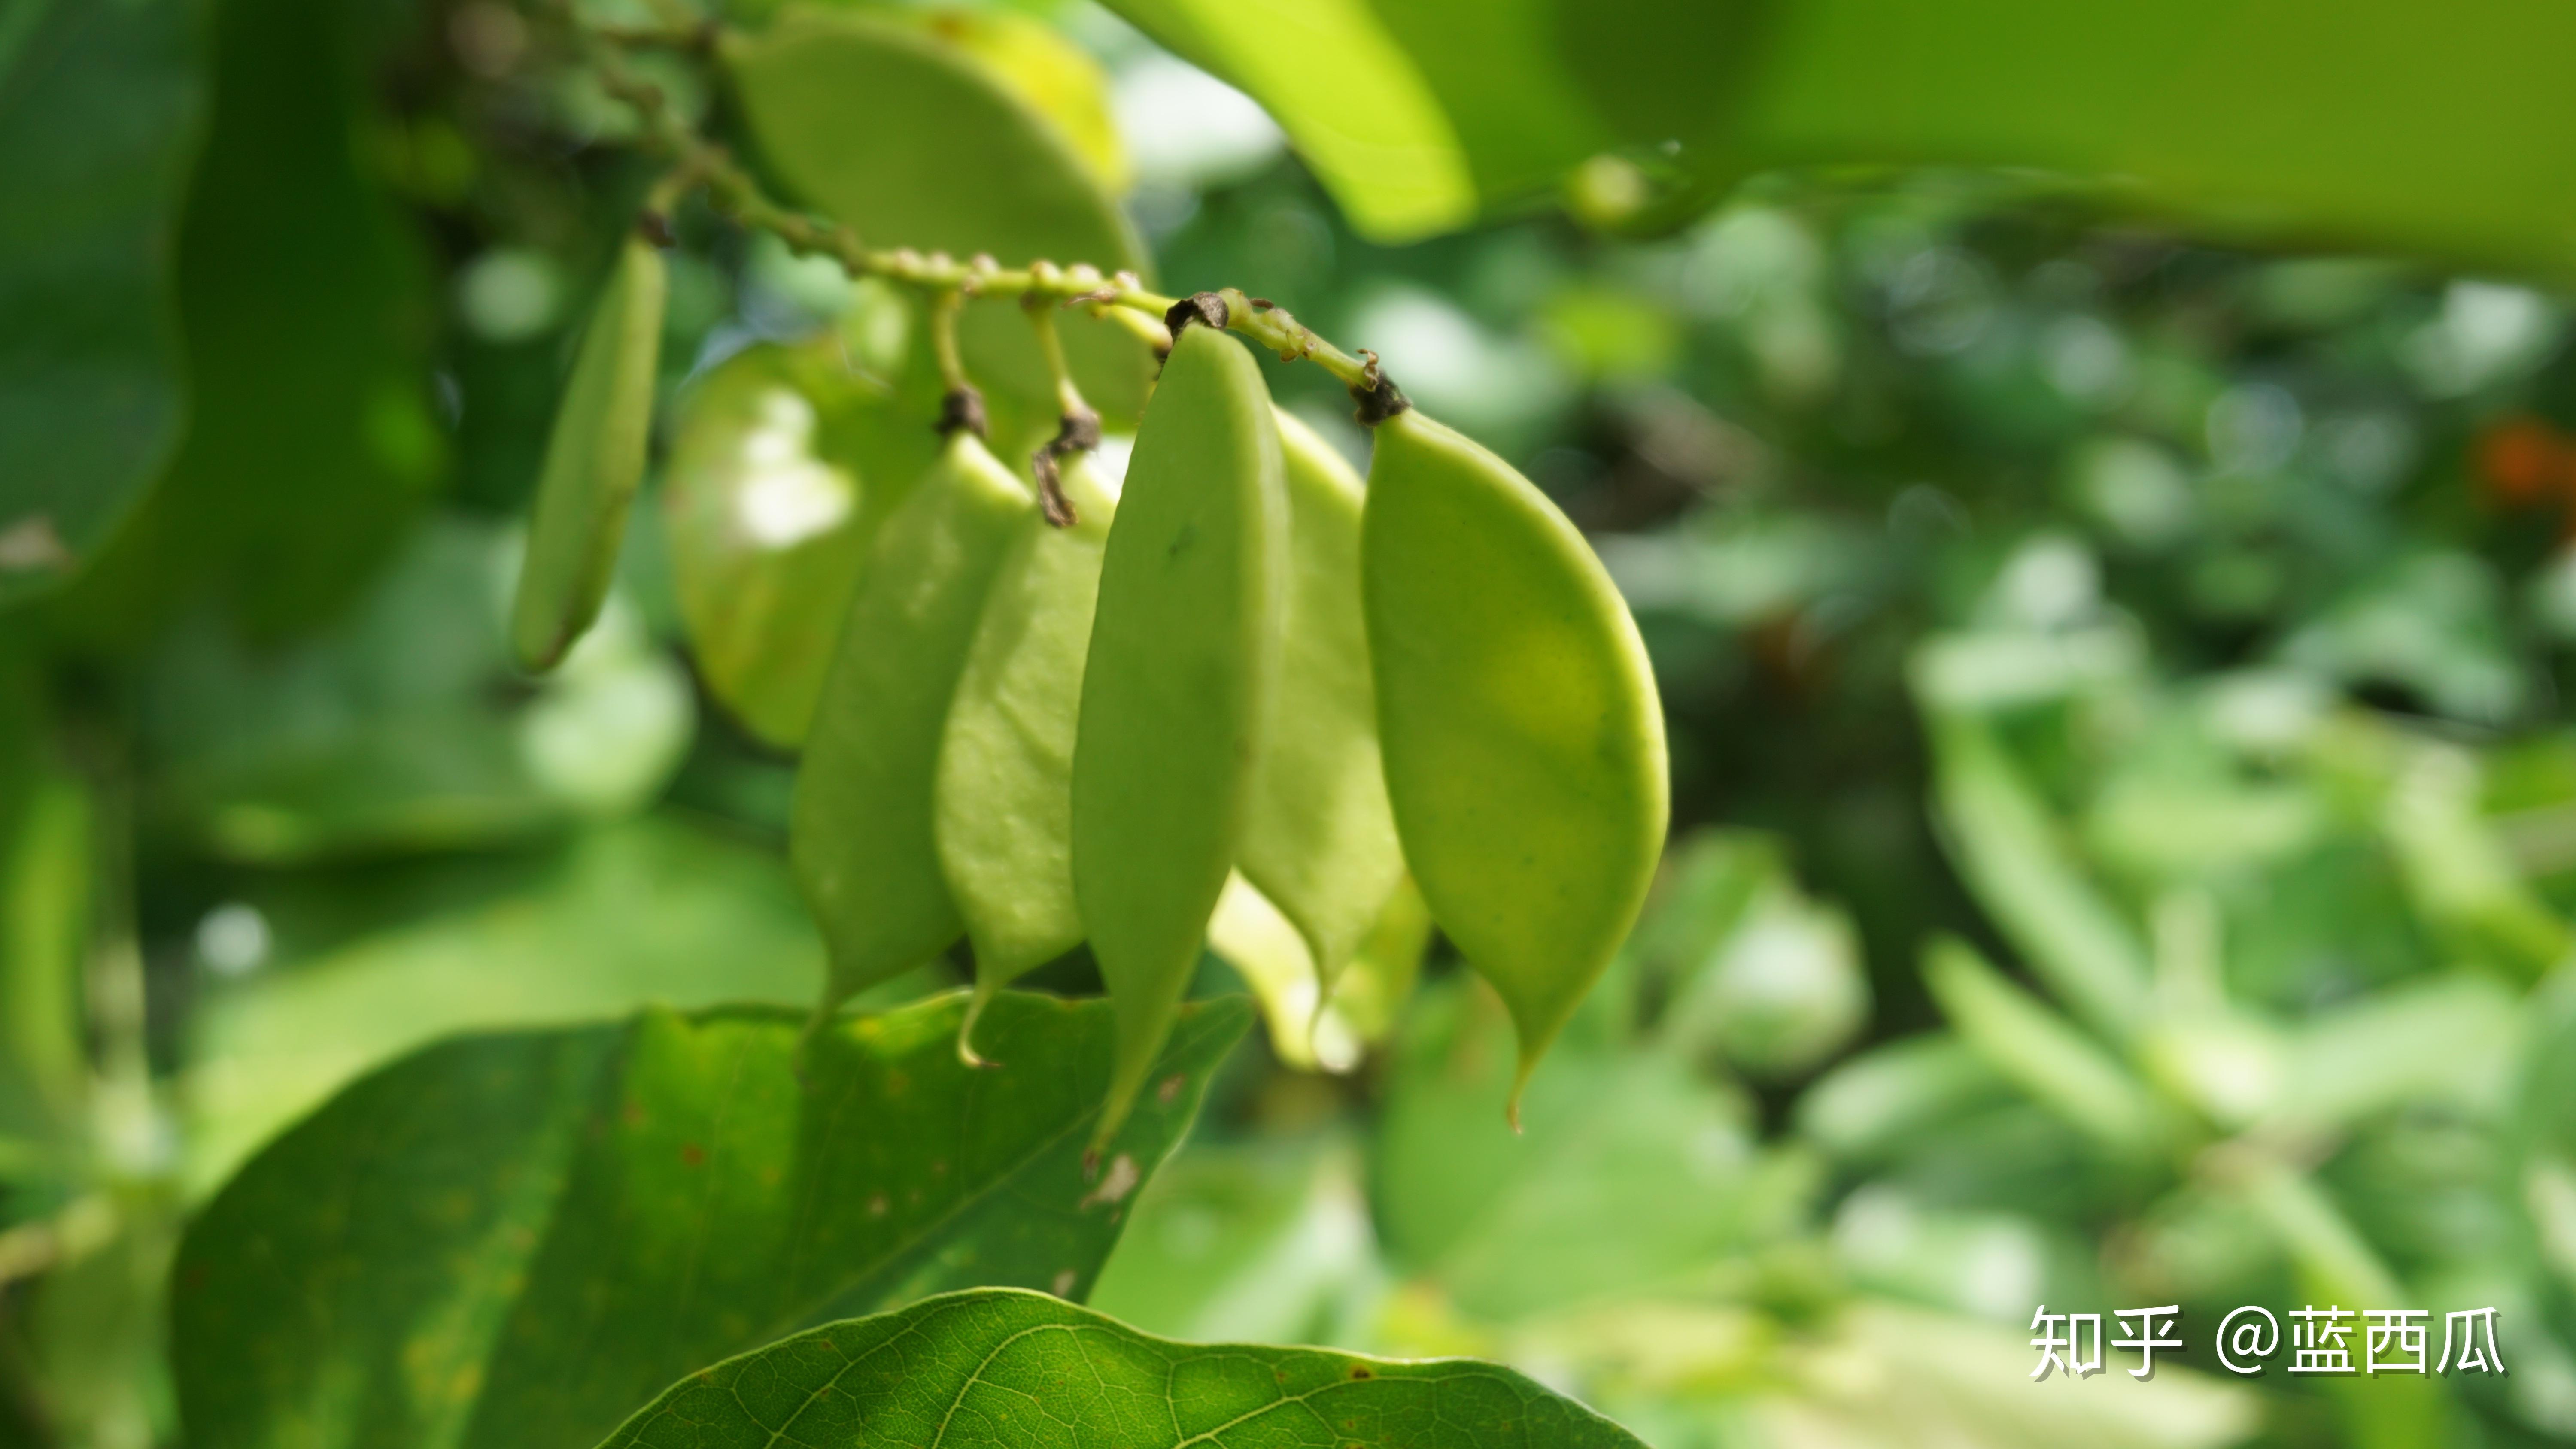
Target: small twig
x=698, y=162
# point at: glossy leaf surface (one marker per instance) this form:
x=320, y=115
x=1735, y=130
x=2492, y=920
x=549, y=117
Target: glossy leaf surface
x=594, y=461
x=1177, y=689
x=864, y=835
x=513, y=1240
x=99, y=108
x=1002, y=1368
x=1524, y=742
x=916, y=145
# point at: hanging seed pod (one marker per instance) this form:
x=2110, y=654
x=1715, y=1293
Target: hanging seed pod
x=861, y=835
x=1004, y=796
x=594, y=460
x=1524, y=743
x=1178, y=686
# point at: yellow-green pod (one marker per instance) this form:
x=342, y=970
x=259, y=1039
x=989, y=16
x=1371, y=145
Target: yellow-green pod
x=1177, y=689
x=1320, y=841
x=594, y=460
x=1524, y=744
x=1004, y=816
x=860, y=831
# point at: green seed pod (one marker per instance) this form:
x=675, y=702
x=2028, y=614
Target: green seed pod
x=1524, y=744
x=594, y=460
x=860, y=828
x=1004, y=817
x=1177, y=689
x=1320, y=841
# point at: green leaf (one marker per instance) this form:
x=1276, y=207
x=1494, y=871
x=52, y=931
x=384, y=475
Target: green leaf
x=594, y=461
x=649, y=912
x=2291, y=120
x=1633, y=1173
x=99, y=110
x=1258, y=1242
x=1359, y=109
x=308, y=322
x=995, y=1368
x=514, y=1240
x=784, y=462
x=915, y=145
x=405, y=726
x=1999, y=833
x=2047, y=1056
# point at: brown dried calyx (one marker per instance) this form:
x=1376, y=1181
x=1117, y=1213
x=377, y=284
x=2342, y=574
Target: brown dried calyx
x=1076, y=432
x=962, y=407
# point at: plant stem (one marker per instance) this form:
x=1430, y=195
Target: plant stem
x=698, y=162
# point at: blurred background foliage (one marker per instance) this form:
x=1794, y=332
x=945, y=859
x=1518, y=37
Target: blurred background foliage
x=2125, y=808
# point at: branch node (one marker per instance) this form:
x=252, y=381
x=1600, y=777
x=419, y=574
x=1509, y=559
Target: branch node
x=1204, y=308
x=962, y=406
x=655, y=227
x=1376, y=394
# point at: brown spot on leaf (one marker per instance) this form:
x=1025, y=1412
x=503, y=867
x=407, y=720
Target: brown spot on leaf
x=1361, y=1371
x=1170, y=1089
x=692, y=1154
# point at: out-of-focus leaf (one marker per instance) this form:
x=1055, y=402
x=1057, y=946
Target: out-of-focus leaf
x=2451, y=1040
x=1359, y=108
x=1265, y=1242
x=2279, y=120
x=310, y=444
x=1902, y=1378
x=550, y=1225
x=1769, y=980
x=1632, y=1173
x=990, y=1368
x=1999, y=835
x=99, y=109
x=783, y=462
x=879, y=125
x=1047, y=70
x=1875, y=1104
x=2463, y=880
x=2047, y=1056
x=648, y=912
x=46, y=872
x=2432, y=624
x=405, y=726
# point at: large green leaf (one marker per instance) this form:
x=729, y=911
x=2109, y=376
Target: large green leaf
x=308, y=322
x=915, y=145
x=514, y=1240
x=375, y=962
x=997, y=1367
x=1633, y=1174
x=1361, y=111
x=2293, y=120
x=98, y=119
x=404, y=726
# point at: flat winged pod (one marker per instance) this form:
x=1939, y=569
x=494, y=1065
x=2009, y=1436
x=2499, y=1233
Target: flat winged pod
x=594, y=460
x=1177, y=689
x=1524, y=744
x=1320, y=841
x=1004, y=817
x=860, y=831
